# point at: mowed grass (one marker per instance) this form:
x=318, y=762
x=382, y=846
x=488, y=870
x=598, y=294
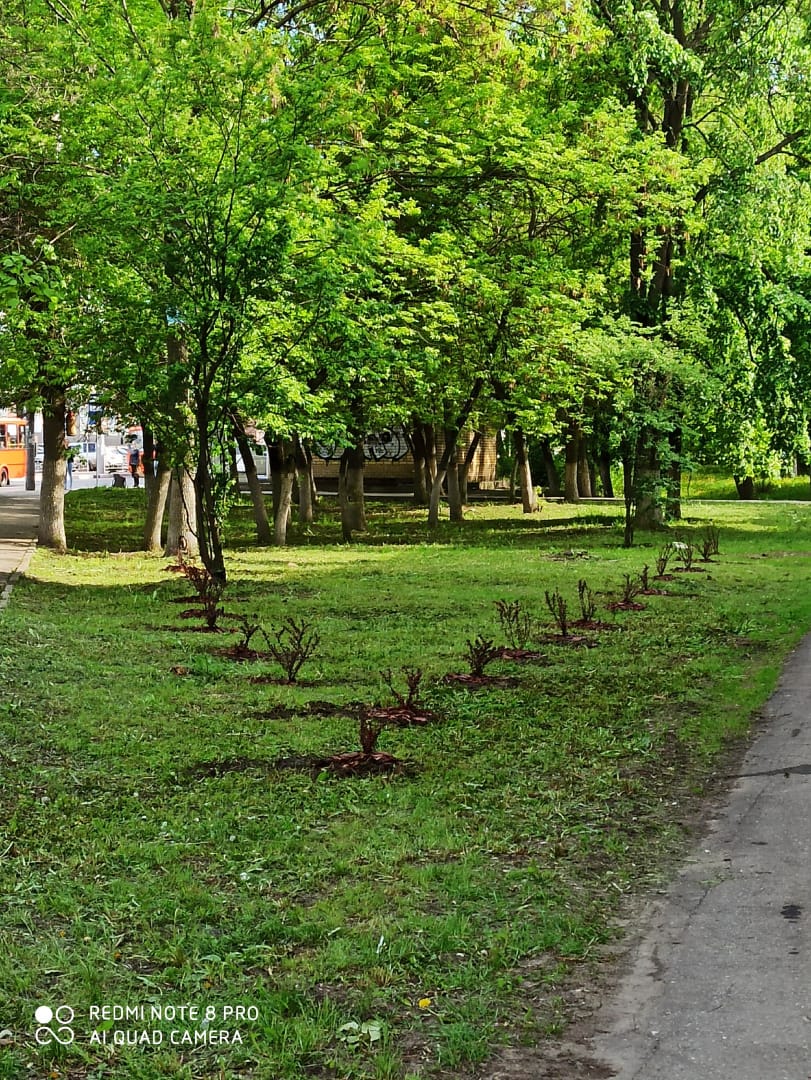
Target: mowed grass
x=152, y=853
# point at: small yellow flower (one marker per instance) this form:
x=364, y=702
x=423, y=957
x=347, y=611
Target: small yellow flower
x=424, y=1003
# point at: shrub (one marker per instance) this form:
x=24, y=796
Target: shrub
x=292, y=646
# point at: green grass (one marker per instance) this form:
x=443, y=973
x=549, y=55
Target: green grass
x=708, y=484
x=132, y=875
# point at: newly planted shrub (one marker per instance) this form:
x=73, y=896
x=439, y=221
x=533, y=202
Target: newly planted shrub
x=630, y=589
x=588, y=605
x=479, y=654
x=710, y=538
x=644, y=578
x=292, y=646
x=413, y=680
x=663, y=558
x=559, y=609
x=517, y=624
x=685, y=552
x=209, y=590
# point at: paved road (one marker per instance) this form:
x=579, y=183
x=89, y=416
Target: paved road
x=719, y=987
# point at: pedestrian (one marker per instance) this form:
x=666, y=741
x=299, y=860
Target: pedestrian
x=70, y=454
x=135, y=461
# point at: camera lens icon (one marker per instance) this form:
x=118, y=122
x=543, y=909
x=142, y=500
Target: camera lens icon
x=61, y=1032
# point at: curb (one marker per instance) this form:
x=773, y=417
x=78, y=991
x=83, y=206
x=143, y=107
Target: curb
x=16, y=574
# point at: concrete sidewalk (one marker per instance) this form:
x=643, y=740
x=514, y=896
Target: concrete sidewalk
x=718, y=987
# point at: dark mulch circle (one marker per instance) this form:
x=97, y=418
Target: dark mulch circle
x=662, y=577
x=350, y=764
x=523, y=656
x=400, y=715
x=185, y=600
x=626, y=605
x=480, y=682
x=655, y=592
x=689, y=570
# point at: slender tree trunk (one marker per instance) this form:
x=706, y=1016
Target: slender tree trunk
x=207, y=509
x=552, y=475
x=455, y=507
x=431, y=464
x=182, y=530
x=465, y=465
x=571, y=492
x=260, y=510
x=304, y=470
x=604, y=471
x=529, y=496
x=416, y=439
x=629, y=494
x=148, y=459
x=584, y=487
x=156, y=507
x=350, y=491
x=51, y=530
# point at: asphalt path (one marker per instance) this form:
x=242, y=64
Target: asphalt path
x=718, y=985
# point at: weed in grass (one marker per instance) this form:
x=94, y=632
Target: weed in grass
x=293, y=644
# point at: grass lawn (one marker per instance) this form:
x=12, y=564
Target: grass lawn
x=155, y=855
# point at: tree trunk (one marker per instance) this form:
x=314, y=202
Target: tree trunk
x=260, y=510
x=206, y=502
x=303, y=456
x=629, y=494
x=431, y=465
x=158, y=491
x=648, y=478
x=182, y=531
x=30, y=452
x=455, y=507
x=604, y=472
x=350, y=491
x=673, y=504
x=286, y=478
x=148, y=459
x=584, y=487
x=552, y=475
x=745, y=486
x=51, y=531
x=571, y=493
x=529, y=496
x=465, y=464
x=416, y=438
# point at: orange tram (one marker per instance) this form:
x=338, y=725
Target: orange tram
x=12, y=449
